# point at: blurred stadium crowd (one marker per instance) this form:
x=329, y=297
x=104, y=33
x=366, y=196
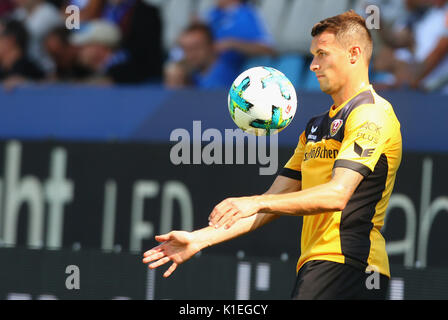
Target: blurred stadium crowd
x=207, y=43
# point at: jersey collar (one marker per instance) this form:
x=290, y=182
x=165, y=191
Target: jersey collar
x=334, y=110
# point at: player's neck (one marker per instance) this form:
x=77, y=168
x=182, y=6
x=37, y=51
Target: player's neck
x=349, y=90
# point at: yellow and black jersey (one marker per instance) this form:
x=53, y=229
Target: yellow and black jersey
x=362, y=134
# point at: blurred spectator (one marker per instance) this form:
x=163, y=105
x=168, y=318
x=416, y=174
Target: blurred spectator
x=64, y=55
x=394, y=15
x=239, y=32
x=99, y=51
x=175, y=75
x=431, y=72
x=6, y=7
x=392, y=11
x=15, y=67
x=416, y=55
x=201, y=60
x=39, y=17
x=141, y=30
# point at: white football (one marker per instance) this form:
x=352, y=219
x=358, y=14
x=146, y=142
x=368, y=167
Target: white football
x=262, y=101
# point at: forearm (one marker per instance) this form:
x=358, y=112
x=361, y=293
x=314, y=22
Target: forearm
x=209, y=236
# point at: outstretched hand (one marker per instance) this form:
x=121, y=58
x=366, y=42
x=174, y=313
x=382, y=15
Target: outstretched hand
x=176, y=246
x=230, y=210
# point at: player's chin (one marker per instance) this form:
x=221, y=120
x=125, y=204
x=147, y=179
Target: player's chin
x=326, y=87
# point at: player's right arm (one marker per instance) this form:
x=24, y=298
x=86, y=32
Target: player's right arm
x=180, y=246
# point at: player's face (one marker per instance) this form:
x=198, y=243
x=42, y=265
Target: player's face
x=330, y=62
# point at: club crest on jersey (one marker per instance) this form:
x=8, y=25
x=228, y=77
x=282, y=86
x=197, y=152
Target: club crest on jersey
x=335, y=126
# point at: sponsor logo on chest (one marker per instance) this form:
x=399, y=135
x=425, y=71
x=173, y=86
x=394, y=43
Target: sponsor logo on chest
x=320, y=152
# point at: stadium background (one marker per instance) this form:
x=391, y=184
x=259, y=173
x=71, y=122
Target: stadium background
x=86, y=180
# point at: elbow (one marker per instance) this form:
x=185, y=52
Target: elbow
x=340, y=204
x=341, y=199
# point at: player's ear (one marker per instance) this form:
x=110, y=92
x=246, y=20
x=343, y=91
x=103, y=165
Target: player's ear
x=354, y=54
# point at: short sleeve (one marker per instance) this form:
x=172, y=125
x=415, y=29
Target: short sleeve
x=293, y=168
x=366, y=133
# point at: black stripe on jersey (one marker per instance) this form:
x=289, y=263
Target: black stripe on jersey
x=356, y=218
x=289, y=173
x=318, y=127
x=356, y=166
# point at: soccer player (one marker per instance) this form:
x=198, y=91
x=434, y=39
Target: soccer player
x=339, y=179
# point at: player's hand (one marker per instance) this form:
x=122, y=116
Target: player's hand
x=176, y=246
x=227, y=212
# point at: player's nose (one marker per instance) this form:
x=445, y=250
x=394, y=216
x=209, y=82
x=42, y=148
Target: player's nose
x=314, y=66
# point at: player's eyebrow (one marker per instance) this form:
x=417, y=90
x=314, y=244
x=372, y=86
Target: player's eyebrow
x=317, y=51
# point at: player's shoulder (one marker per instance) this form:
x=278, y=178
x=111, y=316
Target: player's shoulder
x=375, y=107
